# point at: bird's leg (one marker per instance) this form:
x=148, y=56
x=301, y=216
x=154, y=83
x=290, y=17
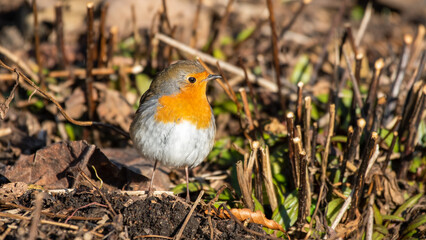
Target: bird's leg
x=150, y=189
x=188, y=199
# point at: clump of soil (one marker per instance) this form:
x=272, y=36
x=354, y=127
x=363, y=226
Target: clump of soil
x=134, y=217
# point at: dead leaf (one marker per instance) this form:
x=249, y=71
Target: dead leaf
x=75, y=105
x=113, y=107
x=392, y=192
x=56, y=167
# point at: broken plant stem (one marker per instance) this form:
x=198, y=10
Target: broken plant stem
x=267, y=176
x=358, y=65
x=356, y=138
x=314, y=141
x=113, y=31
x=297, y=145
x=89, y=62
x=346, y=156
x=37, y=46
x=290, y=136
x=307, y=128
x=251, y=91
x=361, y=175
x=324, y=160
x=102, y=56
x=370, y=218
x=59, y=29
x=368, y=109
x=299, y=104
x=351, y=38
x=277, y=67
x=348, y=200
x=396, y=86
x=242, y=182
x=364, y=23
x=246, y=108
x=303, y=191
x=356, y=91
x=378, y=114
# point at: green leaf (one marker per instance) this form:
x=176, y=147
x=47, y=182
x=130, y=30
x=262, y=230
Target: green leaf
x=37, y=106
x=339, y=138
x=315, y=113
x=333, y=209
x=227, y=106
x=421, y=133
x=302, y=70
x=244, y=34
x=347, y=97
x=257, y=205
x=419, y=221
x=416, y=163
x=222, y=154
x=377, y=215
x=217, y=53
x=226, y=40
x=393, y=218
x=378, y=236
x=409, y=203
x=388, y=140
x=323, y=97
x=69, y=129
x=286, y=214
x=409, y=235
x=142, y=82
x=193, y=187
x=381, y=229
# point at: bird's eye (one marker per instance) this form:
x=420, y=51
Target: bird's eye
x=192, y=79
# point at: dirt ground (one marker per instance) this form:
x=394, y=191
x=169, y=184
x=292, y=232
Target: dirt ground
x=123, y=217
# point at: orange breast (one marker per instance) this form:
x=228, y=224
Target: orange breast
x=190, y=104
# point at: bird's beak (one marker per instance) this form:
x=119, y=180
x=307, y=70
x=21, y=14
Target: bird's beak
x=212, y=77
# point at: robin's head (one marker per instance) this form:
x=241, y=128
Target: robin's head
x=182, y=76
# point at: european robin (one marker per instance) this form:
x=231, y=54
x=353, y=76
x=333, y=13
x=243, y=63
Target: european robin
x=174, y=123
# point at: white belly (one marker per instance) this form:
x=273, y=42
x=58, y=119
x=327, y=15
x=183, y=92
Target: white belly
x=172, y=144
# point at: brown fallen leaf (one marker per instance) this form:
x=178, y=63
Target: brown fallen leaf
x=57, y=166
x=245, y=213
x=113, y=108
